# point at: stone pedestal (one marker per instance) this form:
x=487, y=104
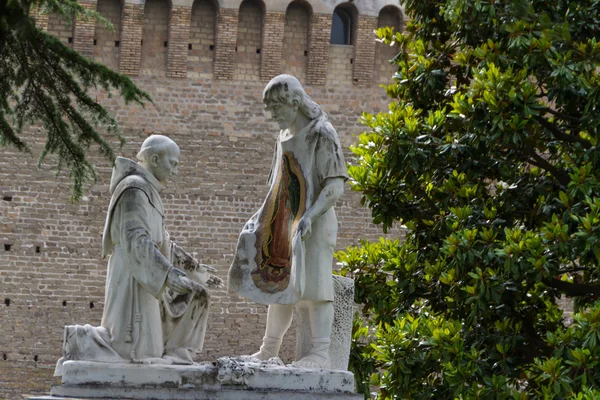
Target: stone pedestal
x=230, y=378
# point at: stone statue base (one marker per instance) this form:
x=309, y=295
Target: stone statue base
x=232, y=378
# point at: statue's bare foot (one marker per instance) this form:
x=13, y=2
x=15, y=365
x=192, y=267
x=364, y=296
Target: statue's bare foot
x=313, y=360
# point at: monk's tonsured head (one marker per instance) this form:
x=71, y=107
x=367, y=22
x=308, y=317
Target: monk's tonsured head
x=160, y=156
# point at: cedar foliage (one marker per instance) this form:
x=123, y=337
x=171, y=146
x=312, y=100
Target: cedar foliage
x=489, y=158
x=44, y=81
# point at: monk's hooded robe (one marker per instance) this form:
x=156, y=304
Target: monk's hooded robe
x=143, y=321
x=140, y=252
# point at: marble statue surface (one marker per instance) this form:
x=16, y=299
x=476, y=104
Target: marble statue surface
x=284, y=255
x=229, y=378
x=156, y=298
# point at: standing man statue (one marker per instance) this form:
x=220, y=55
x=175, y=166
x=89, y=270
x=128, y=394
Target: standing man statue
x=153, y=311
x=285, y=251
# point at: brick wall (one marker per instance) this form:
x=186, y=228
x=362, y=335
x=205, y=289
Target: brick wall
x=60, y=28
x=155, y=35
x=83, y=32
x=41, y=20
x=319, y=33
x=339, y=71
x=384, y=70
x=132, y=20
x=227, y=27
x=295, y=40
x=272, y=45
x=106, y=49
x=178, y=41
x=202, y=39
x=249, y=37
x=364, y=50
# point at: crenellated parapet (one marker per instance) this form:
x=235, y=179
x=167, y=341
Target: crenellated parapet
x=320, y=41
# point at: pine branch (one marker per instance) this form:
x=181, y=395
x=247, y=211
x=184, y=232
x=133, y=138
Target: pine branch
x=44, y=80
x=8, y=135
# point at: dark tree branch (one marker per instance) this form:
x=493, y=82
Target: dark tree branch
x=537, y=346
x=539, y=161
x=579, y=269
x=560, y=135
x=562, y=115
x=573, y=289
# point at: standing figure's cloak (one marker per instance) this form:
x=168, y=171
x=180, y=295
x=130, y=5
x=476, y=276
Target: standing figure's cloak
x=272, y=264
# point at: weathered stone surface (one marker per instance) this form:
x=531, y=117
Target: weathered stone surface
x=193, y=394
x=138, y=375
x=253, y=380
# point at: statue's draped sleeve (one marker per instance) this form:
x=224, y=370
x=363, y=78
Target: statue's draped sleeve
x=329, y=158
x=147, y=263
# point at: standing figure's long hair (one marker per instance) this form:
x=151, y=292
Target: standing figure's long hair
x=286, y=88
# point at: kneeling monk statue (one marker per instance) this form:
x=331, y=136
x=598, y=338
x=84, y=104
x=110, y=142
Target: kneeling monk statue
x=153, y=312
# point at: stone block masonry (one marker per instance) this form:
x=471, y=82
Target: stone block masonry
x=227, y=27
x=131, y=38
x=179, y=35
x=318, y=49
x=272, y=43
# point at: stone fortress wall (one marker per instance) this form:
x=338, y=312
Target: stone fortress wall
x=205, y=64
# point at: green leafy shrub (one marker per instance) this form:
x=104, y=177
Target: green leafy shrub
x=488, y=157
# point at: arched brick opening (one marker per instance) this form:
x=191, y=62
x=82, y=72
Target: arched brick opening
x=249, y=40
x=344, y=28
x=106, y=44
x=294, y=59
x=60, y=28
x=388, y=16
x=155, y=36
x=201, y=48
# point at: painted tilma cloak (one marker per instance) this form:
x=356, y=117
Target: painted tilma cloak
x=272, y=264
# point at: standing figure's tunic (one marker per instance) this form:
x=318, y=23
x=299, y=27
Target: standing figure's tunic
x=272, y=264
